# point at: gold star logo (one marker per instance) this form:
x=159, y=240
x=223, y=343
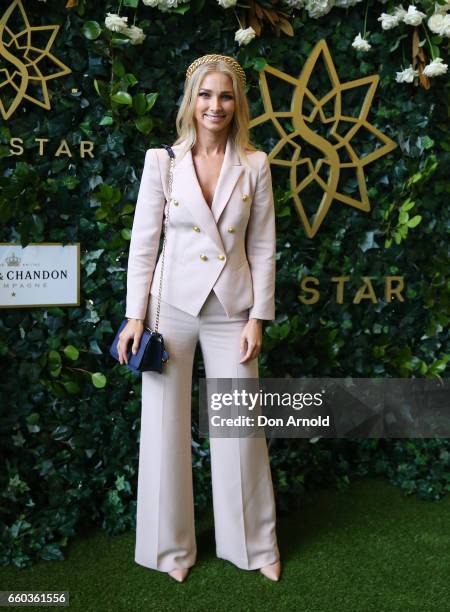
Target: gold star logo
x=318, y=161
x=21, y=61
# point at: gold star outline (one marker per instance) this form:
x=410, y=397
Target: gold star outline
x=333, y=155
x=22, y=61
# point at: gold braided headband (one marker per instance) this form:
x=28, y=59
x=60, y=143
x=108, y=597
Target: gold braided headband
x=212, y=57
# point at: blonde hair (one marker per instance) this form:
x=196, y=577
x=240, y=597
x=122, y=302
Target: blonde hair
x=238, y=130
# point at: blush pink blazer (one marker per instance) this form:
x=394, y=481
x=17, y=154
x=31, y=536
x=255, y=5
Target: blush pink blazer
x=229, y=247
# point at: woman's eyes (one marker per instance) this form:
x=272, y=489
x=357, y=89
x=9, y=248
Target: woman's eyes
x=204, y=93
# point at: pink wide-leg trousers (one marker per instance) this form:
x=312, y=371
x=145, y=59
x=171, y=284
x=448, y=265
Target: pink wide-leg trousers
x=243, y=498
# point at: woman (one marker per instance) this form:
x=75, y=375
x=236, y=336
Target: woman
x=218, y=286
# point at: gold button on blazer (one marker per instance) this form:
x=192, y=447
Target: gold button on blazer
x=244, y=277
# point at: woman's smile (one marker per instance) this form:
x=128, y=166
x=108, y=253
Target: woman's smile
x=214, y=118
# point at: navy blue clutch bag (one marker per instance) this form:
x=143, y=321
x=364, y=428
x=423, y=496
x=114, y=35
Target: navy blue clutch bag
x=151, y=354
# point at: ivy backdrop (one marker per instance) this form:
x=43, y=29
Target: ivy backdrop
x=69, y=422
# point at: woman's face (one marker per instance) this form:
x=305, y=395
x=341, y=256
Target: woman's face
x=215, y=103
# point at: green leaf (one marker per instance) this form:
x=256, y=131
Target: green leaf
x=126, y=233
x=33, y=418
x=98, y=380
x=118, y=68
x=71, y=352
x=259, y=63
x=107, y=120
x=427, y=142
x=151, y=99
x=91, y=30
x=132, y=3
x=54, y=359
x=130, y=79
x=119, y=40
x=407, y=205
x=144, y=124
x=101, y=88
x=122, y=97
x=414, y=221
x=403, y=216
x=140, y=103
x=72, y=387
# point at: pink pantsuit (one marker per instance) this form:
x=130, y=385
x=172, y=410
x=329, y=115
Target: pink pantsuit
x=219, y=271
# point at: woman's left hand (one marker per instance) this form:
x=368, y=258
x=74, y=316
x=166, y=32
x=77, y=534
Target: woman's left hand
x=251, y=340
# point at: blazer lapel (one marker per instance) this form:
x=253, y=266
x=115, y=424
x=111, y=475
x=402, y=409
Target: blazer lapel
x=189, y=190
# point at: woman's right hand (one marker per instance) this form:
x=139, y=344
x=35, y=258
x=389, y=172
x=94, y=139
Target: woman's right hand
x=133, y=330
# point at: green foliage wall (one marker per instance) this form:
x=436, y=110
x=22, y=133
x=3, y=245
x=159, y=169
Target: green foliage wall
x=69, y=415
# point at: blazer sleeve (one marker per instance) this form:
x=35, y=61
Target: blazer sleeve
x=261, y=246
x=145, y=236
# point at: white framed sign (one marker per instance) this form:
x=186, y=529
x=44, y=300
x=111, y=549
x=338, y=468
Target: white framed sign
x=39, y=274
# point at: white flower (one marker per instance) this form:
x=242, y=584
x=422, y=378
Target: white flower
x=388, y=21
x=151, y=3
x=413, y=16
x=115, y=23
x=360, y=44
x=440, y=24
x=243, y=37
x=166, y=5
x=135, y=34
x=435, y=68
x=399, y=12
x=318, y=8
x=346, y=3
x=407, y=75
x=297, y=4
x=227, y=3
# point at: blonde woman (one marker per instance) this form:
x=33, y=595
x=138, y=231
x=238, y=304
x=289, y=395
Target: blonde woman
x=218, y=287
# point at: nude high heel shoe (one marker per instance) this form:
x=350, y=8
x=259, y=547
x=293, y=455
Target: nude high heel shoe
x=179, y=574
x=272, y=571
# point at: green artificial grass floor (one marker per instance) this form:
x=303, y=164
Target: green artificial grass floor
x=368, y=548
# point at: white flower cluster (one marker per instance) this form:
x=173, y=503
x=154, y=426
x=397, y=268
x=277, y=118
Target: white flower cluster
x=319, y=8
x=115, y=23
x=439, y=23
x=163, y=5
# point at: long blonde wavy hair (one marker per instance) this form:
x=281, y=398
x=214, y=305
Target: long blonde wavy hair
x=238, y=129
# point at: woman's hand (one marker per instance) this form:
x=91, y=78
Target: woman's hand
x=251, y=340
x=133, y=330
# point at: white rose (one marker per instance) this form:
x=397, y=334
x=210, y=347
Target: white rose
x=318, y=8
x=360, y=44
x=413, y=17
x=435, y=68
x=227, y=3
x=166, y=5
x=295, y=3
x=135, y=34
x=115, y=23
x=243, y=37
x=440, y=24
x=151, y=3
x=399, y=12
x=407, y=75
x=388, y=21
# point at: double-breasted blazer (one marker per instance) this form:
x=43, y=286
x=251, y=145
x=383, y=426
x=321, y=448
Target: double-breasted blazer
x=229, y=247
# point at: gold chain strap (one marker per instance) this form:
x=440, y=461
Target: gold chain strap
x=166, y=225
